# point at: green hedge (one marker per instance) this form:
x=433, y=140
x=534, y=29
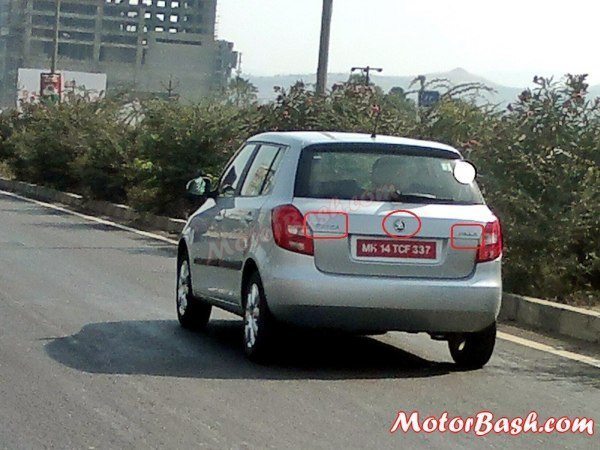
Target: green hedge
x=538, y=159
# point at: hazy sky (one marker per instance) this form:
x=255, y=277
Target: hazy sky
x=507, y=41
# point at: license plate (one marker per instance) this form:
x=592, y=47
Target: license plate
x=397, y=248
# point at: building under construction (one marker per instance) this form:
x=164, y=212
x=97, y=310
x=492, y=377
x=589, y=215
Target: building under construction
x=145, y=46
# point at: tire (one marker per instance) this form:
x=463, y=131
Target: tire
x=473, y=350
x=259, y=323
x=193, y=313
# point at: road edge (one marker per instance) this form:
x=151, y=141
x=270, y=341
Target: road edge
x=541, y=315
x=551, y=317
x=122, y=213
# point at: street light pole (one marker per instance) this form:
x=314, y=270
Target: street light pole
x=367, y=71
x=324, y=46
x=56, y=37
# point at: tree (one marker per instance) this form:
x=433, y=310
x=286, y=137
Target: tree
x=358, y=78
x=396, y=98
x=241, y=92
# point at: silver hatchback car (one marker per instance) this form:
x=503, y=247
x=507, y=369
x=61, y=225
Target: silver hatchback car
x=348, y=232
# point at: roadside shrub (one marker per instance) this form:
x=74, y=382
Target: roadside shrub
x=76, y=146
x=8, y=121
x=175, y=143
x=349, y=107
x=540, y=163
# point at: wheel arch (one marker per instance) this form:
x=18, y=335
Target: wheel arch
x=182, y=249
x=250, y=267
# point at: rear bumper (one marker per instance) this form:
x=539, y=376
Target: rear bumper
x=299, y=293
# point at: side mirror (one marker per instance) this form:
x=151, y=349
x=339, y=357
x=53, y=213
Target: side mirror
x=198, y=187
x=228, y=191
x=465, y=172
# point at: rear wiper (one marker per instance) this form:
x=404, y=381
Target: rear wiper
x=418, y=198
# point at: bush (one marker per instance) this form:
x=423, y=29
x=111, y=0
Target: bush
x=540, y=159
x=349, y=108
x=76, y=146
x=8, y=121
x=175, y=143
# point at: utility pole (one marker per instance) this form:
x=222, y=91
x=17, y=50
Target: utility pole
x=56, y=37
x=238, y=71
x=324, y=46
x=367, y=72
x=51, y=83
x=171, y=88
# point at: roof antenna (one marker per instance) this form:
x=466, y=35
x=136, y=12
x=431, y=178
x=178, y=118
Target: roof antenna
x=376, y=110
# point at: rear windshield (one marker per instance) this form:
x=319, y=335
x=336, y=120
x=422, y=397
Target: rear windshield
x=382, y=173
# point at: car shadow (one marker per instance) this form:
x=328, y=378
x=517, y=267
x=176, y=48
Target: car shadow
x=162, y=348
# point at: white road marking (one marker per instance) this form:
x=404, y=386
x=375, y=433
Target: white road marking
x=549, y=349
x=504, y=336
x=92, y=218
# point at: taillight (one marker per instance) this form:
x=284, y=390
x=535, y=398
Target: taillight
x=491, y=243
x=288, y=230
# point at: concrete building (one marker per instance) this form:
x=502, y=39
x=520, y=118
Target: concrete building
x=140, y=44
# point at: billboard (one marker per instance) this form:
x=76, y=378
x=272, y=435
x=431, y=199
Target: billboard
x=31, y=83
x=51, y=86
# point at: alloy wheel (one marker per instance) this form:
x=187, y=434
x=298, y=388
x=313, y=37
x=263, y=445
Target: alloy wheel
x=183, y=288
x=251, y=316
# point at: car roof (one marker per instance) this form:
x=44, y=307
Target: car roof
x=306, y=138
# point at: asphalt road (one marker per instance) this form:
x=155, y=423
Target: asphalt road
x=91, y=356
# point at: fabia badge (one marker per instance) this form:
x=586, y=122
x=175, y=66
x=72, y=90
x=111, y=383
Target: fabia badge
x=399, y=225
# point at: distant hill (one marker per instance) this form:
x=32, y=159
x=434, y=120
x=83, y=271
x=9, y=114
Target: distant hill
x=503, y=95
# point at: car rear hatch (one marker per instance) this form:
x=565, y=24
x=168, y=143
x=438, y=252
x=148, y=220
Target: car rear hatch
x=392, y=239
x=390, y=210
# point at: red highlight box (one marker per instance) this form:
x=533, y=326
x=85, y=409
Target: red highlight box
x=402, y=236
x=465, y=225
x=346, y=232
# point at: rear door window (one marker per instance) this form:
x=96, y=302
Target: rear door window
x=234, y=173
x=259, y=180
